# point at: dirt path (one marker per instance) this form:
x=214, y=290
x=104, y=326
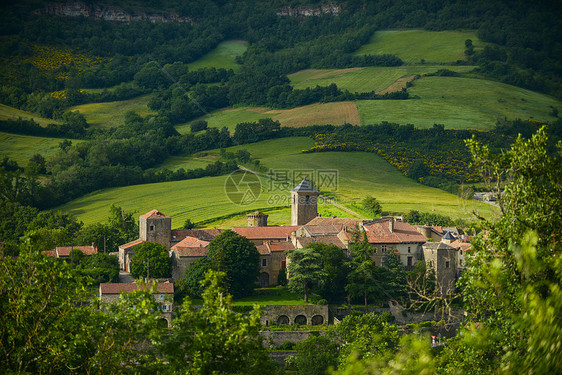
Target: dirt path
x=400, y=84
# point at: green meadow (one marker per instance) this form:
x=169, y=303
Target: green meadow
x=222, y=56
x=460, y=103
x=22, y=147
x=229, y=118
x=364, y=79
x=414, y=45
x=11, y=113
x=359, y=174
x=111, y=114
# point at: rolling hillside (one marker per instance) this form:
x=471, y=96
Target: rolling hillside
x=22, y=147
x=221, y=57
x=414, y=45
x=203, y=199
x=10, y=113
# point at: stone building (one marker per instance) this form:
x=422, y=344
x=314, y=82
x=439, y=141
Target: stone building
x=273, y=258
x=304, y=203
x=163, y=294
x=442, y=258
x=257, y=219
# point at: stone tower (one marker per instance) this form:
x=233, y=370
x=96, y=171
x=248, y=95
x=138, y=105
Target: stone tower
x=304, y=203
x=257, y=219
x=156, y=227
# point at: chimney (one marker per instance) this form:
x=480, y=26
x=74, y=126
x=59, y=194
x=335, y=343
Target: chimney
x=391, y=225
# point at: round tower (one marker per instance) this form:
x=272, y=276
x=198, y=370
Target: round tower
x=304, y=203
x=257, y=219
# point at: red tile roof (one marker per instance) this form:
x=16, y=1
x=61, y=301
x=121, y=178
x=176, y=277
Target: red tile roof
x=192, y=251
x=337, y=221
x=117, y=288
x=379, y=232
x=323, y=229
x=64, y=251
x=50, y=253
x=263, y=249
x=154, y=214
x=266, y=233
x=134, y=243
x=202, y=234
x=279, y=246
x=191, y=242
x=328, y=240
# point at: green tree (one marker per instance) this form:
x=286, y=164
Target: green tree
x=150, y=260
x=238, y=257
x=315, y=356
x=194, y=275
x=305, y=270
x=417, y=170
x=395, y=277
x=214, y=339
x=372, y=205
x=188, y=224
x=362, y=280
x=332, y=287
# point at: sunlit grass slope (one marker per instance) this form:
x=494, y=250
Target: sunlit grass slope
x=414, y=45
x=364, y=79
x=22, y=147
x=111, y=114
x=360, y=174
x=222, y=57
x=460, y=103
x=336, y=113
x=10, y=113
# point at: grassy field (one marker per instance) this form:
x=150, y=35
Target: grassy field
x=414, y=45
x=359, y=174
x=222, y=56
x=11, y=113
x=22, y=147
x=199, y=160
x=364, y=79
x=459, y=103
x=111, y=114
x=271, y=296
x=314, y=114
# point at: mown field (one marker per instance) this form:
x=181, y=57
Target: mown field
x=111, y=114
x=11, y=113
x=221, y=57
x=364, y=79
x=22, y=147
x=359, y=174
x=460, y=103
x=336, y=113
x=414, y=45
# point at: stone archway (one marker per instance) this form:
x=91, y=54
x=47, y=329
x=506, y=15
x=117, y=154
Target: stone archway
x=301, y=319
x=264, y=280
x=283, y=320
x=317, y=320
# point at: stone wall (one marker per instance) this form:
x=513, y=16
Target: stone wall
x=291, y=314
x=272, y=339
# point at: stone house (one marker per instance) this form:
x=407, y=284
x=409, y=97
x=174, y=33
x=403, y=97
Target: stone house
x=163, y=294
x=273, y=258
x=64, y=251
x=186, y=252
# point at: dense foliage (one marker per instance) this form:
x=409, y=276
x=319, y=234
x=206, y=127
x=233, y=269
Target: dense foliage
x=150, y=260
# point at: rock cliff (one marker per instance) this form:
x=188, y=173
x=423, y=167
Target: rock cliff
x=308, y=11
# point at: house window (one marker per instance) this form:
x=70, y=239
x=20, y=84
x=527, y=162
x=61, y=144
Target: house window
x=409, y=249
x=383, y=248
x=152, y=227
x=165, y=308
x=410, y=261
x=263, y=262
x=284, y=264
x=307, y=199
x=447, y=264
x=460, y=262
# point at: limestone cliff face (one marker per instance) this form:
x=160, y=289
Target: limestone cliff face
x=104, y=12
x=308, y=11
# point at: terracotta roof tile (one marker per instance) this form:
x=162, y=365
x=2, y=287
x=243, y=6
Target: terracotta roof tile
x=279, y=246
x=191, y=242
x=154, y=214
x=338, y=221
x=323, y=229
x=131, y=244
x=266, y=233
x=64, y=251
x=117, y=288
x=192, y=251
x=263, y=249
x=328, y=240
x=202, y=234
x=50, y=253
x=379, y=232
